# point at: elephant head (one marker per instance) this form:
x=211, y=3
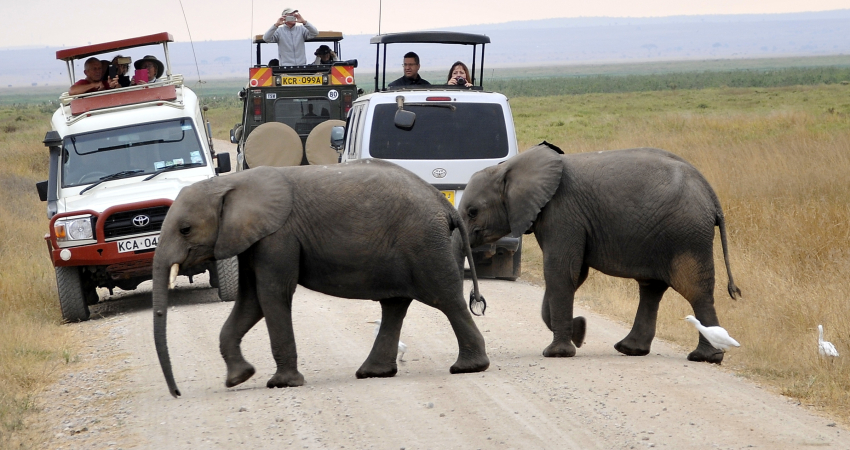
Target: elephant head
x=505, y=199
x=213, y=219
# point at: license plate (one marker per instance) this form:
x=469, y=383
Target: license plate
x=134, y=245
x=311, y=80
x=449, y=195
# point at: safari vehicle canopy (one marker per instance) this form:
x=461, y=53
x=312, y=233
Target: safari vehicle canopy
x=288, y=110
x=428, y=37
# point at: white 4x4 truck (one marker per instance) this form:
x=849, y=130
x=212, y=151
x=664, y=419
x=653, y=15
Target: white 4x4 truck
x=443, y=133
x=118, y=158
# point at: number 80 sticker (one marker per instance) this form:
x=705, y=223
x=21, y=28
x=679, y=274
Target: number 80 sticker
x=333, y=94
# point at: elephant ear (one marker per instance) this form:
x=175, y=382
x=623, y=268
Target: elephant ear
x=254, y=204
x=531, y=179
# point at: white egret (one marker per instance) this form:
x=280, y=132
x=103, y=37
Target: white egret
x=402, y=347
x=717, y=336
x=825, y=348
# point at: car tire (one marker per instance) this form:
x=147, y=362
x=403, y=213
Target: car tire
x=72, y=298
x=227, y=279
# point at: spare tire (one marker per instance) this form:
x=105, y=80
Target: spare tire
x=273, y=144
x=318, y=146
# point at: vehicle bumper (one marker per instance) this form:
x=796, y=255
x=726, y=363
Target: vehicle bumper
x=506, y=244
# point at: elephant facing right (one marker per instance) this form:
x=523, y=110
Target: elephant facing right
x=641, y=213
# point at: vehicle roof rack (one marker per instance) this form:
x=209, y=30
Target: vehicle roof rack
x=428, y=37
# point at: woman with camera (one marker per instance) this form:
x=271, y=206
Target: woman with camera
x=459, y=75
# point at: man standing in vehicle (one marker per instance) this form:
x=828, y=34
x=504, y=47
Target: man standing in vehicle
x=290, y=38
x=93, y=80
x=411, y=72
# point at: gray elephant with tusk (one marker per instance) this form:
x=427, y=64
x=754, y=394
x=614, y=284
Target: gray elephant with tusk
x=364, y=230
x=640, y=213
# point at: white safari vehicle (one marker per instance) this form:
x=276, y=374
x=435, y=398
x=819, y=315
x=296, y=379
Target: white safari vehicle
x=118, y=158
x=443, y=133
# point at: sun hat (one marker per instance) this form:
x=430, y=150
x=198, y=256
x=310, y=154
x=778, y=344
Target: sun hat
x=322, y=50
x=159, y=67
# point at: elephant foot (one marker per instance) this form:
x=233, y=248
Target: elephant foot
x=239, y=374
x=711, y=355
x=282, y=380
x=373, y=370
x=579, y=329
x=470, y=364
x=631, y=348
x=560, y=350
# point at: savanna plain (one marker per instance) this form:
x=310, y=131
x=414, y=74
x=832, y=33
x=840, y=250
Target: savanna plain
x=778, y=158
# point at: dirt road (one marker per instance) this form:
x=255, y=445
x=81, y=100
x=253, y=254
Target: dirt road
x=117, y=398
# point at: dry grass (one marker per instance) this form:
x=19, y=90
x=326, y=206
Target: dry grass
x=779, y=160
x=32, y=344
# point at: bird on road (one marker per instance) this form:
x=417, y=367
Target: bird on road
x=717, y=336
x=402, y=347
x=825, y=348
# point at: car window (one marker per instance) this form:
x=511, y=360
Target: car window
x=302, y=114
x=462, y=131
x=147, y=147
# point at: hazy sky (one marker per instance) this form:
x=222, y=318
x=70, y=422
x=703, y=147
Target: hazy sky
x=69, y=24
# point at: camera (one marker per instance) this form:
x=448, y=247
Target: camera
x=461, y=81
x=290, y=19
x=113, y=71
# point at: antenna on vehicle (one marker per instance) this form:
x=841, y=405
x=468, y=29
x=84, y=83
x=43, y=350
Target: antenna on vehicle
x=380, y=9
x=198, y=69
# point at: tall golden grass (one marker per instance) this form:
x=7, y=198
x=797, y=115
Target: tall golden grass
x=779, y=160
x=32, y=344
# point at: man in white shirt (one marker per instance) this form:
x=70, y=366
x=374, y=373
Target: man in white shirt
x=290, y=37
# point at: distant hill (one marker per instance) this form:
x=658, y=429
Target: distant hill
x=574, y=41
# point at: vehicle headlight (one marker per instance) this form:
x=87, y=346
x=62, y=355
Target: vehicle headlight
x=76, y=229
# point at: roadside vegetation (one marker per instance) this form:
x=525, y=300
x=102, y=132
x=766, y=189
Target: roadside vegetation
x=776, y=155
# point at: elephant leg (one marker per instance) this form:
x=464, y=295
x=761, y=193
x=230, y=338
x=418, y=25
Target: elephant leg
x=704, y=312
x=472, y=353
x=245, y=314
x=639, y=340
x=382, y=359
x=579, y=323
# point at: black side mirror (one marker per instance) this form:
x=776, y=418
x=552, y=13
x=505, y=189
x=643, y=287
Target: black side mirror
x=223, y=160
x=41, y=187
x=337, y=138
x=403, y=119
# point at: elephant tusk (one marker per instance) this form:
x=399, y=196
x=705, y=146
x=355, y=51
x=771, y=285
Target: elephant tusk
x=173, y=276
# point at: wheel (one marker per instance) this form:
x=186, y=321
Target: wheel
x=72, y=298
x=226, y=279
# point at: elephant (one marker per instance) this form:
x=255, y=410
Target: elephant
x=367, y=229
x=639, y=213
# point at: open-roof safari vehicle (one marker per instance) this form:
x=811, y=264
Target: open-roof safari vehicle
x=118, y=158
x=443, y=133
x=289, y=110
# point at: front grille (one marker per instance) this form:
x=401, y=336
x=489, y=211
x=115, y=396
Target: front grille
x=121, y=223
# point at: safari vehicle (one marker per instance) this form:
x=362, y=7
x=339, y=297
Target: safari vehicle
x=118, y=158
x=289, y=110
x=443, y=133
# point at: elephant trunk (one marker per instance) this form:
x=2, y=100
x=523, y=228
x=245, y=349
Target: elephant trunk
x=162, y=281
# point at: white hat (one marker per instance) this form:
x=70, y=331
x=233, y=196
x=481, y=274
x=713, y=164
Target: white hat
x=288, y=11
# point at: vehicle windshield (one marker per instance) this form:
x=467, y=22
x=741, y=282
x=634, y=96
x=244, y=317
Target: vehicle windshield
x=467, y=131
x=302, y=114
x=144, y=148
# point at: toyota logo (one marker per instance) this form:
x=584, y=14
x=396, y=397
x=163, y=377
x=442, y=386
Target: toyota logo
x=141, y=221
x=439, y=173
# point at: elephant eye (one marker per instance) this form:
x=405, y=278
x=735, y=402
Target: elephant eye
x=185, y=230
x=472, y=212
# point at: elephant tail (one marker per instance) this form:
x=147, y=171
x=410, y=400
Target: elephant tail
x=720, y=221
x=477, y=304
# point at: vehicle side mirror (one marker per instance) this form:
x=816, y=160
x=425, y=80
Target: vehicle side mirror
x=223, y=160
x=41, y=187
x=337, y=138
x=404, y=119
x=236, y=133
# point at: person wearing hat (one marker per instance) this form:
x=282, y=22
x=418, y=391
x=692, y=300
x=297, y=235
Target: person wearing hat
x=290, y=37
x=324, y=55
x=154, y=66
